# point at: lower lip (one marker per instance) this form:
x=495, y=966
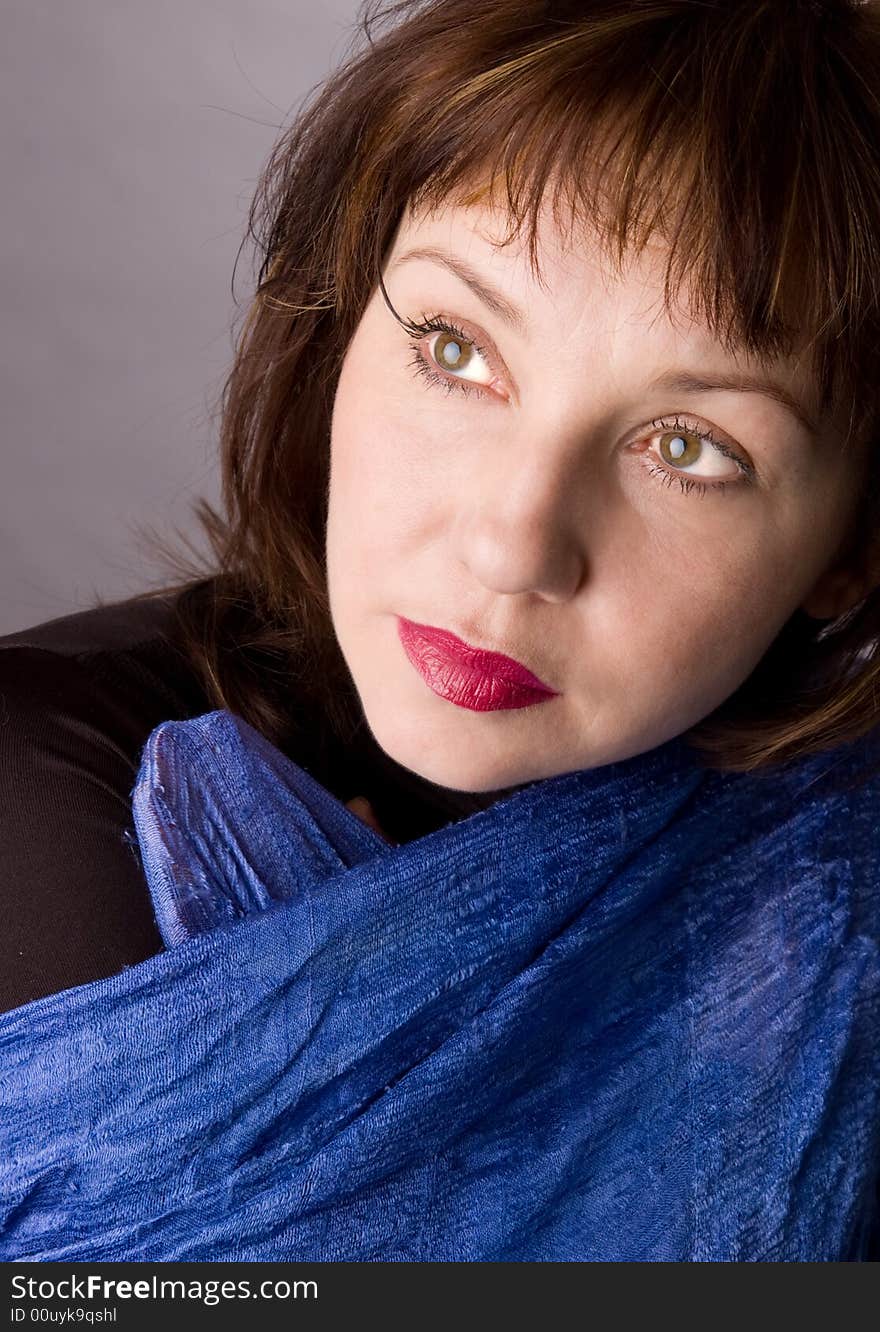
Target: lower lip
x=452, y=678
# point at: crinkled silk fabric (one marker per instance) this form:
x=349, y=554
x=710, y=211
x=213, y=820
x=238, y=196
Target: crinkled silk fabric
x=625, y=1014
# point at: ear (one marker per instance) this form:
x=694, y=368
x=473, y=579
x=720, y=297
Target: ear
x=844, y=585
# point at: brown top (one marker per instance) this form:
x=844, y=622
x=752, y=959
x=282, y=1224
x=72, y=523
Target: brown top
x=79, y=695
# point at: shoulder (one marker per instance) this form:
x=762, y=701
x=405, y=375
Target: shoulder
x=112, y=671
x=78, y=697
x=109, y=626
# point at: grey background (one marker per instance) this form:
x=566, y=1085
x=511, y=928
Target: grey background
x=132, y=133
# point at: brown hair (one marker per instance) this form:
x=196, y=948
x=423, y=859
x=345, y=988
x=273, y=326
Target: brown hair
x=733, y=129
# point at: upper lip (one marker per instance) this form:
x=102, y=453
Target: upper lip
x=483, y=659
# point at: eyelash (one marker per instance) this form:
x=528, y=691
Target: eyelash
x=436, y=378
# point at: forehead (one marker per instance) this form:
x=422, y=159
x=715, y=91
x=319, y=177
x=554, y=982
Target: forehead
x=573, y=285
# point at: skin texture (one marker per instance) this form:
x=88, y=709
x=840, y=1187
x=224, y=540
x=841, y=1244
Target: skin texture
x=524, y=517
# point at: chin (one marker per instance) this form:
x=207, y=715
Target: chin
x=441, y=756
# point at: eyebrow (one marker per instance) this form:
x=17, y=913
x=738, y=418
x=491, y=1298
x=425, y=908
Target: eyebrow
x=673, y=381
x=681, y=381
x=490, y=295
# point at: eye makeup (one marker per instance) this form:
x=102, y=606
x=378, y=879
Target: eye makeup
x=437, y=377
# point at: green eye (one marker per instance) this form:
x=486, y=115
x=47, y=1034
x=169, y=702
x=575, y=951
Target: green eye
x=451, y=352
x=679, y=448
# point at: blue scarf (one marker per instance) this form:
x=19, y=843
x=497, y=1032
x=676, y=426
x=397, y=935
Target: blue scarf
x=630, y=1013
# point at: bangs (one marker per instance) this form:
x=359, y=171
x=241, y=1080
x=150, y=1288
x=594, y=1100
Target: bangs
x=748, y=147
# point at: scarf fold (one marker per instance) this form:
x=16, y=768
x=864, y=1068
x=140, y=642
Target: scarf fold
x=629, y=1013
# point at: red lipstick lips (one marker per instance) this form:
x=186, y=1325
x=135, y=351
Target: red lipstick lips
x=467, y=676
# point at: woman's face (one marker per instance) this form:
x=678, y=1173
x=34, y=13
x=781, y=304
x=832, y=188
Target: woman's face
x=565, y=479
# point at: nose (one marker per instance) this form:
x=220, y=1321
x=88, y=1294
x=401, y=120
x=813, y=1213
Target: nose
x=519, y=529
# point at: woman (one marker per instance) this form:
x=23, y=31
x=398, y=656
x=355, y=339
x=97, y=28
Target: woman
x=563, y=348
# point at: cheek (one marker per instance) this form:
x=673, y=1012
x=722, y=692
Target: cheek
x=378, y=489
x=680, y=625
x=382, y=467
